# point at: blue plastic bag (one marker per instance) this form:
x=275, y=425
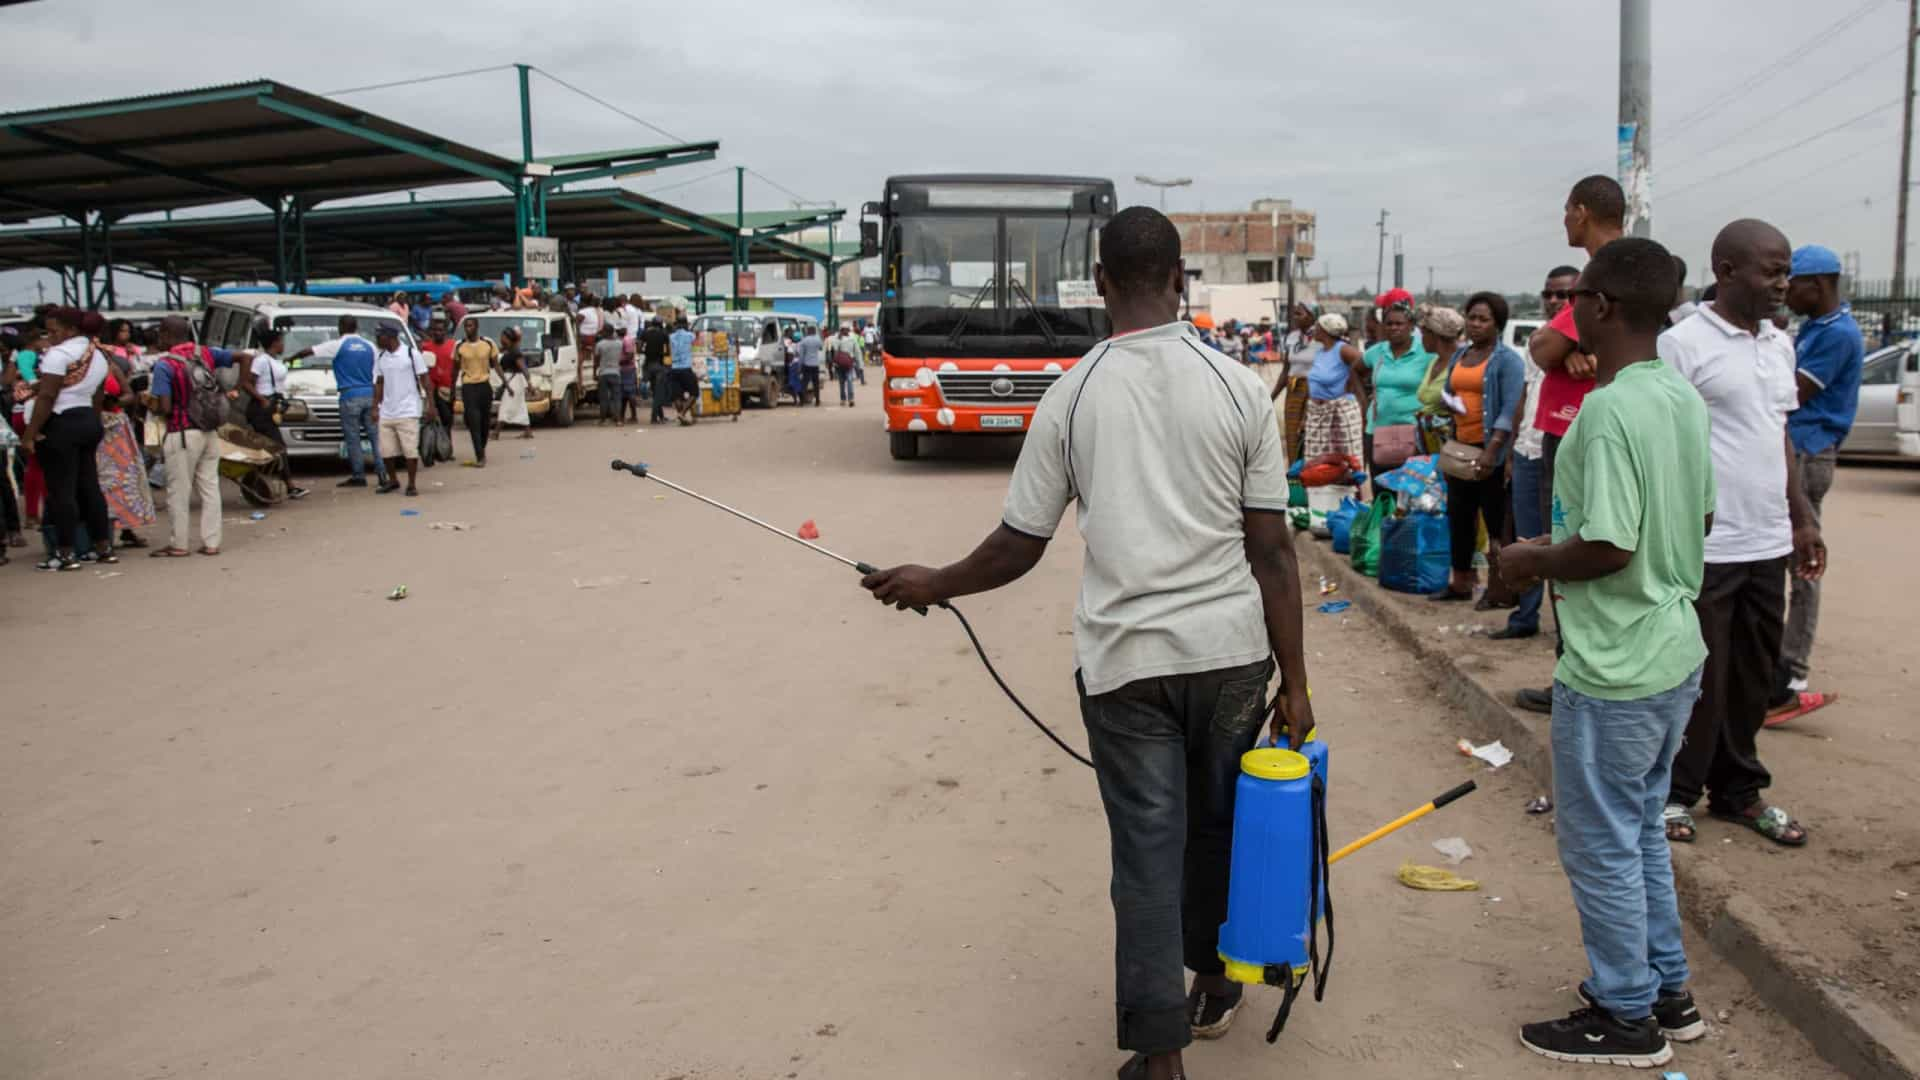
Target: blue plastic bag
x=1414, y=553
x=1340, y=522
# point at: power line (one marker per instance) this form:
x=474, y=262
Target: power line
x=1821, y=134
x=610, y=106
x=1774, y=115
x=1823, y=168
x=421, y=79
x=790, y=193
x=1773, y=68
x=687, y=183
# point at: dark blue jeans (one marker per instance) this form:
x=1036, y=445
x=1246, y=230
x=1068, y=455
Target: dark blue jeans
x=1167, y=752
x=1527, y=523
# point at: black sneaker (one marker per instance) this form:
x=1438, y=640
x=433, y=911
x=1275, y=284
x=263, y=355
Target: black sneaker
x=1211, y=1014
x=1675, y=1012
x=1540, y=701
x=1596, y=1037
x=353, y=481
x=387, y=488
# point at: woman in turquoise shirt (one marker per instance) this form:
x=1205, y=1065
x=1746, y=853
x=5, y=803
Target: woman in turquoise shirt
x=1397, y=365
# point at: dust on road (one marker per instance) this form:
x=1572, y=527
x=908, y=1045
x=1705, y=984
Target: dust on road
x=627, y=789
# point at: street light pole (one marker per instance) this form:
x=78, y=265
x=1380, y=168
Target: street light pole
x=1906, y=158
x=1163, y=185
x=1636, y=114
x=1380, y=256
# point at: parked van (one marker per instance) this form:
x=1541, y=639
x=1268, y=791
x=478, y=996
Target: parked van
x=550, y=342
x=759, y=381
x=1907, y=409
x=312, y=420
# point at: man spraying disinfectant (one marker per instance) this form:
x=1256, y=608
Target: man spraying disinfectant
x=1190, y=591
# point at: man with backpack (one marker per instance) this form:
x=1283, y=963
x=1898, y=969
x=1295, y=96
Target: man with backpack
x=846, y=362
x=187, y=393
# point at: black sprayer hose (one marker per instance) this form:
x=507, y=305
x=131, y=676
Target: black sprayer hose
x=1008, y=690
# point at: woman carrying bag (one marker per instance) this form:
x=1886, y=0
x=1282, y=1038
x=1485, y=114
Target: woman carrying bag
x=1440, y=330
x=1334, y=424
x=1484, y=382
x=1398, y=365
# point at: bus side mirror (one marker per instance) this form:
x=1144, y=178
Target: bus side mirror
x=869, y=239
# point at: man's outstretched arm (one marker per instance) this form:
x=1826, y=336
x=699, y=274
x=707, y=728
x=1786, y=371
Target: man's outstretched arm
x=1001, y=559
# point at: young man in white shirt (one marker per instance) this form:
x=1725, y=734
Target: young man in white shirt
x=1743, y=367
x=1189, y=592
x=400, y=394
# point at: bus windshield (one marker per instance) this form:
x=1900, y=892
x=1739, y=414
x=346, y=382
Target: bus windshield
x=1014, y=283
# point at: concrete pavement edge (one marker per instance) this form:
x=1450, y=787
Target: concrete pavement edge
x=1857, y=1036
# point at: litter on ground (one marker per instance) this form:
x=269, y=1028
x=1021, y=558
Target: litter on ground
x=1434, y=879
x=1494, y=753
x=1334, y=607
x=451, y=526
x=399, y=593
x=808, y=530
x=1454, y=849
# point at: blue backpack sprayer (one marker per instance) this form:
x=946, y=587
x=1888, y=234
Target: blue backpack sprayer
x=1279, y=893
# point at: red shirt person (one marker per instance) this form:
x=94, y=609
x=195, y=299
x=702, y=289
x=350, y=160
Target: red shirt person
x=439, y=349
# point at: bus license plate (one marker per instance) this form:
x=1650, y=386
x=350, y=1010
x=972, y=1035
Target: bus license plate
x=1006, y=422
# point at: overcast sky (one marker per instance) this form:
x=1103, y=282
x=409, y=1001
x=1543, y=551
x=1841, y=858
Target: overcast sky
x=1466, y=121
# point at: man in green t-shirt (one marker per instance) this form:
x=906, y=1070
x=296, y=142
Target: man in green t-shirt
x=1633, y=498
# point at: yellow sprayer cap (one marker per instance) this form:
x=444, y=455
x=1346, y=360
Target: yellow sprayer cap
x=1269, y=763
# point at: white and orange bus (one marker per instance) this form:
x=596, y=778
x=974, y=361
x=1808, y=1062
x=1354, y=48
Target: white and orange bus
x=986, y=296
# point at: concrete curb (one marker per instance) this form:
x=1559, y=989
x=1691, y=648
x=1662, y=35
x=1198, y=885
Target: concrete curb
x=1858, y=1036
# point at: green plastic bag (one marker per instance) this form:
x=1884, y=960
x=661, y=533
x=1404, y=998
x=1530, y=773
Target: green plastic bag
x=1296, y=493
x=1364, y=541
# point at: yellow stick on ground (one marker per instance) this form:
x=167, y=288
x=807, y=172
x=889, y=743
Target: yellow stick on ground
x=1402, y=821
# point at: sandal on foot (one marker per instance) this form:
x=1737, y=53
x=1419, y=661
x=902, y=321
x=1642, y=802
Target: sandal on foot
x=106, y=558
x=1771, y=822
x=1680, y=825
x=1804, y=702
x=209, y=551
x=169, y=553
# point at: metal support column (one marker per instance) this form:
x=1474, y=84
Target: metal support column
x=699, y=289
x=297, y=259
x=1906, y=159
x=523, y=192
x=739, y=229
x=86, y=256
x=1636, y=114
x=106, y=247
x=280, y=244
x=830, y=272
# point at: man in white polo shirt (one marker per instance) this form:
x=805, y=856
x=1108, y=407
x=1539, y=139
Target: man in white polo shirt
x=1743, y=367
x=1188, y=592
x=400, y=393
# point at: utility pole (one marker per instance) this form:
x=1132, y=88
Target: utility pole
x=1429, y=282
x=1399, y=262
x=1380, y=256
x=1636, y=114
x=739, y=230
x=1906, y=158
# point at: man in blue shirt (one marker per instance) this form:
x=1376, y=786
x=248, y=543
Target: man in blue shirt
x=810, y=350
x=352, y=357
x=685, y=387
x=1828, y=355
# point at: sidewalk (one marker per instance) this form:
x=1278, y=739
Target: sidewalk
x=1832, y=949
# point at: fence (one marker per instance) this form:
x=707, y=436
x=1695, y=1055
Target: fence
x=1882, y=318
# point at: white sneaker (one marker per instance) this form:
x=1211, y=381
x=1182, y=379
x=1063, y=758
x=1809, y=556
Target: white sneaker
x=1798, y=686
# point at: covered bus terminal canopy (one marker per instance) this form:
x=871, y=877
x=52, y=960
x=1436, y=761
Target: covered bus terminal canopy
x=474, y=238
x=107, y=167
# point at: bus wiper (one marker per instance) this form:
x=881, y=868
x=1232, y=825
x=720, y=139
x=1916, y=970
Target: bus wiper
x=953, y=338
x=1046, y=328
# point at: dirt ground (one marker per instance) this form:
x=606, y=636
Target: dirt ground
x=628, y=789
x=1846, y=771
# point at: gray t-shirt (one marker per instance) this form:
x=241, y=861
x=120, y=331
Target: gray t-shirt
x=1164, y=443
x=810, y=351
x=606, y=357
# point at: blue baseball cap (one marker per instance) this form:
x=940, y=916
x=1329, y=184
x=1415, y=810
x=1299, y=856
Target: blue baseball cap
x=1813, y=260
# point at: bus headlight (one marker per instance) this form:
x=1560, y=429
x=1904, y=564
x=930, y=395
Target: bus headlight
x=907, y=382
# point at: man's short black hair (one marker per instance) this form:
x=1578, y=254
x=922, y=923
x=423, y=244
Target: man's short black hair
x=1563, y=270
x=1639, y=275
x=1496, y=304
x=1603, y=198
x=349, y=324
x=1139, y=249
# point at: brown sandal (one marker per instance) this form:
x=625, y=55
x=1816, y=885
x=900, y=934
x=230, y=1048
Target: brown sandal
x=209, y=551
x=169, y=553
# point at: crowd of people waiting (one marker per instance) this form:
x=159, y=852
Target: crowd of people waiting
x=1652, y=469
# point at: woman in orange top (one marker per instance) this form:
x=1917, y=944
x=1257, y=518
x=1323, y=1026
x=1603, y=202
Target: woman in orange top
x=1484, y=384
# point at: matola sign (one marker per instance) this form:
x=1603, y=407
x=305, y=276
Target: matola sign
x=539, y=257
